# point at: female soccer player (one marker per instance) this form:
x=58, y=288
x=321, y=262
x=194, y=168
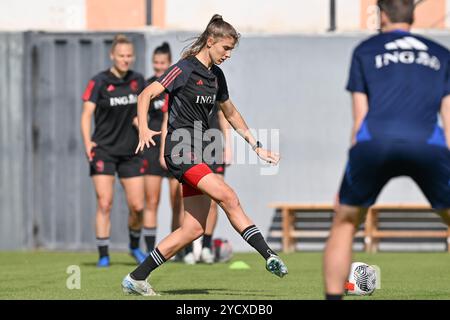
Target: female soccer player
x=111, y=96
x=220, y=153
x=154, y=170
x=194, y=85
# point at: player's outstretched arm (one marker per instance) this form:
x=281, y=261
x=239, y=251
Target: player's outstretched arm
x=445, y=115
x=162, y=161
x=145, y=134
x=360, y=104
x=238, y=123
x=225, y=128
x=85, y=124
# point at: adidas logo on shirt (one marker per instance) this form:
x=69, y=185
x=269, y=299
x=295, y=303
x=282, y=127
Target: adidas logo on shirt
x=407, y=50
x=405, y=44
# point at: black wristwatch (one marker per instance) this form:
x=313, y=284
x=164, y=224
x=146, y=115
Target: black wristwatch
x=257, y=145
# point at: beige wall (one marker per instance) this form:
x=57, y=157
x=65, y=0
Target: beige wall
x=159, y=13
x=115, y=14
x=348, y=14
x=282, y=16
x=430, y=14
x=269, y=16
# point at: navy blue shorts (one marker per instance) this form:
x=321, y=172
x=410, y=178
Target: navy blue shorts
x=372, y=164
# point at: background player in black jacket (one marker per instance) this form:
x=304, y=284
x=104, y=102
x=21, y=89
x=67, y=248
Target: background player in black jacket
x=194, y=85
x=111, y=96
x=154, y=170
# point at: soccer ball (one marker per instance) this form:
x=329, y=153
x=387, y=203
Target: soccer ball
x=222, y=250
x=362, y=280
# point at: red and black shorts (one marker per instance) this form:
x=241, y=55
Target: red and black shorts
x=188, y=171
x=218, y=168
x=107, y=164
x=151, y=160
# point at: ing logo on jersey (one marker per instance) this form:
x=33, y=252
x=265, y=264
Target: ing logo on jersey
x=206, y=99
x=407, y=50
x=123, y=101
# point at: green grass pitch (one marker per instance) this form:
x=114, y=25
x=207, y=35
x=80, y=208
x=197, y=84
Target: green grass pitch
x=42, y=275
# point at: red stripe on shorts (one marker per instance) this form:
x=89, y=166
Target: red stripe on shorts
x=192, y=177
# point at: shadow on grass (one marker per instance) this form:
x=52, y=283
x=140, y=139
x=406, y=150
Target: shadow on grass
x=226, y=292
x=113, y=263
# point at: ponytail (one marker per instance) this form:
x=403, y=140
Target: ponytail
x=216, y=28
x=164, y=48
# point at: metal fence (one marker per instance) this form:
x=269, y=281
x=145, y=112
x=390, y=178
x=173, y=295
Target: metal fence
x=47, y=196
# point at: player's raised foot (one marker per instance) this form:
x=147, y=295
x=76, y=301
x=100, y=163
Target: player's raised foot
x=207, y=256
x=189, y=258
x=276, y=266
x=137, y=287
x=103, y=262
x=138, y=255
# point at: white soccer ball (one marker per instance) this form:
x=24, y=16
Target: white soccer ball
x=222, y=249
x=362, y=280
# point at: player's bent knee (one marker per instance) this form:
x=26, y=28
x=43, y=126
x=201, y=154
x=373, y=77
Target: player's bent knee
x=345, y=217
x=229, y=200
x=136, y=207
x=152, y=203
x=193, y=232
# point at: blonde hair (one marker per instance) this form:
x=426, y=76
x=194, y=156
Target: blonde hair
x=120, y=39
x=216, y=28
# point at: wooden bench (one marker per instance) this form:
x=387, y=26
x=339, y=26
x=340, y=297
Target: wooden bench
x=371, y=233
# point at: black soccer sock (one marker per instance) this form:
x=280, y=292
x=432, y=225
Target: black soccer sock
x=254, y=238
x=206, y=242
x=102, y=245
x=149, y=237
x=135, y=236
x=333, y=296
x=153, y=261
x=189, y=248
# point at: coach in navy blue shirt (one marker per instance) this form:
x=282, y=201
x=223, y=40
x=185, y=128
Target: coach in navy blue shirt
x=399, y=83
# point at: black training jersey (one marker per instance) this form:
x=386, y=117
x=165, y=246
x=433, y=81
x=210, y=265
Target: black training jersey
x=193, y=90
x=158, y=106
x=116, y=106
x=214, y=118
